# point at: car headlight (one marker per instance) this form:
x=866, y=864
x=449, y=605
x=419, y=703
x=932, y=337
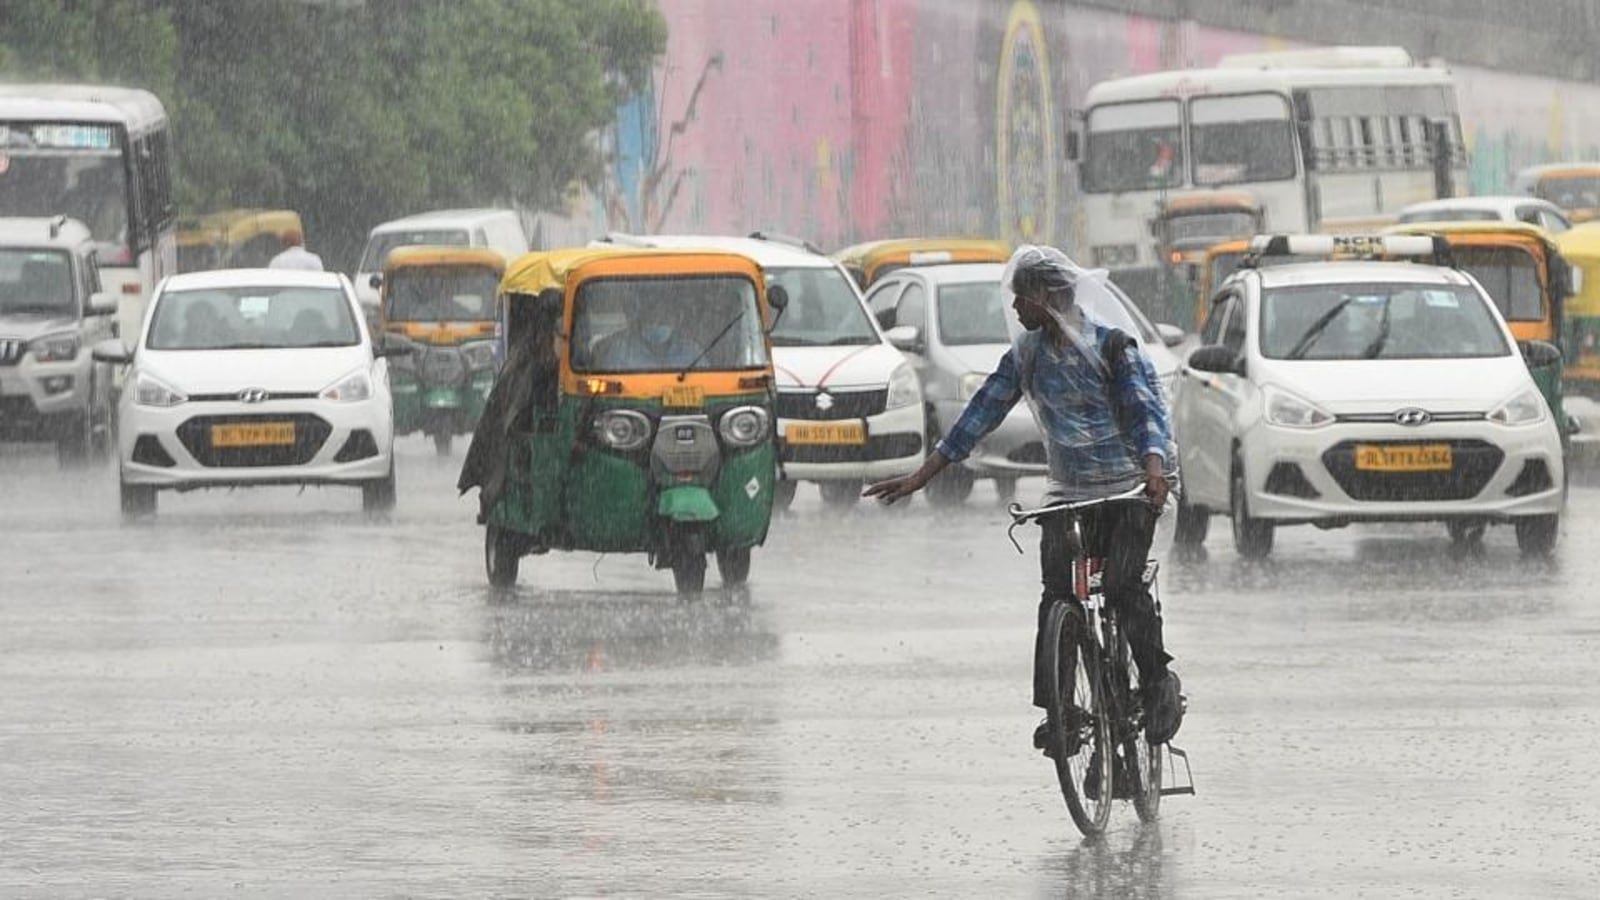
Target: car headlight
x=150, y=391
x=622, y=429
x=744, y=426
x=352, y=388
x=55, y=347
x=1289, y=411
x=1525, y=408
x=969, y=385
x=903, y=387
x=479, y=355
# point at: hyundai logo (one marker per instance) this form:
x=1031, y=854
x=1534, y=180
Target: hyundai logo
x=824, y=401
x=1413, y=416
x=253, y=395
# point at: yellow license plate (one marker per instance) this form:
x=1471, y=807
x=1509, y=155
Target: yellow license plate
x=1404, y=458
x=690, y=395
x=826, y=433
x=257, y=434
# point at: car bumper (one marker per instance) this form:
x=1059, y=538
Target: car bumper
x=1013, y=450
x=1497, y=473
x=41, y=400
x=334, y=444
x=894, y=447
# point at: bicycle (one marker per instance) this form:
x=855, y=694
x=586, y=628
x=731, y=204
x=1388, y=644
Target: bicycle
x=1095, y=720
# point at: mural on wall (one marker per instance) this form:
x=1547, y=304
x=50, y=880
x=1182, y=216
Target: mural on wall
x=869, y=118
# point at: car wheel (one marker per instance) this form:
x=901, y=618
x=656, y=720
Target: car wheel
x=689, y=573
x=1192, y=523
x=501, y=556
x=1252, y=538
x=441, y=443
x=378, y=496
x=138, y=500
x=733, y=565
x=783, y=494
x=840, y=494
x=102, y=430
x=1536, y=535
x=950, y=487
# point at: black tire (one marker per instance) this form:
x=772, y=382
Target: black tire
x=1536, y=535
x=501, y=556
x=441, y=443
x=1252, y=537
x=1189, y=530
x=783, y=494
x=1079, y=729
x=377, y=496
x=1141, y=760
x=840, y=494
x=138, y=500
x=689, y=573
x=733, y=564
x=950, y=487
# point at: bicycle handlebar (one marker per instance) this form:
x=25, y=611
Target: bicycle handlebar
x=1020, y=516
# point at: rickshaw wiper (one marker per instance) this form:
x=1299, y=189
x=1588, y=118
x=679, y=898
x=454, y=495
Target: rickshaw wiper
x=714, y=341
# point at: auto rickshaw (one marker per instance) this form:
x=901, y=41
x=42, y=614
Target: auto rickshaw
x=869, y=261
x=444, y=300
x=1525, y=275
x=234, y=238
x=1186, y=226
x=1575, y=187
x=1221, y=260
x=652, y=427
x=1580, y=247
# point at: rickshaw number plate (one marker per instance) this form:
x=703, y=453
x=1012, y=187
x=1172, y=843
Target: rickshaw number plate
x=1404, y=458
x=255, y=434
x=692, y=395
x=826, y=433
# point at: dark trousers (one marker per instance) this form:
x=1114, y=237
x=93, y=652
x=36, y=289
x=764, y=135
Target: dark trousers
x=1120, y=534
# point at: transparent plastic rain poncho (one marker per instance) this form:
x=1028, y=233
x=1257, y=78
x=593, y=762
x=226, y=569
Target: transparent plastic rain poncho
x=1092, y=301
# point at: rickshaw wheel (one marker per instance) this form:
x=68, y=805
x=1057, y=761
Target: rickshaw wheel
x=689, y=573
x=733, y=565
x=441, y=443
x=500, y=557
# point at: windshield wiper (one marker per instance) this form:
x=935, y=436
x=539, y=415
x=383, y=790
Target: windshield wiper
x=714, y=341
x=1376, y=347
x=1317, y=328
x=244, y=345
x=36, y=308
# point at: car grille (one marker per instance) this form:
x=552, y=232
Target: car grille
x=11, y=350
x=310, y=433
x=841, y=404
x=1475, y=462
x=878, y=446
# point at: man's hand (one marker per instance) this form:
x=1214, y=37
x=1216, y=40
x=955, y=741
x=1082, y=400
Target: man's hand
x=892, y=489
x=1155, y=482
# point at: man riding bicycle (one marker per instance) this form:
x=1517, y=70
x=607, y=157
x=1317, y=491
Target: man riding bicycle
x=1100, y=406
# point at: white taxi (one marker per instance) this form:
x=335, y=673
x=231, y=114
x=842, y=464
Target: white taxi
x=1327, y=393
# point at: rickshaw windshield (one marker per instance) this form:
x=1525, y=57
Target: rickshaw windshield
x=1510, y=276
x=697, y=323
x=442, y=294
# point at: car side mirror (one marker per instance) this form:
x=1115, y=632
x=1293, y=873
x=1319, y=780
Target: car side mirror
x=1171, y=335
x=1540, y=354
x=905, y=337
x=111, y=350
x=102, y=303
x=1216, y=358
x=391, y=344
x=376, y=281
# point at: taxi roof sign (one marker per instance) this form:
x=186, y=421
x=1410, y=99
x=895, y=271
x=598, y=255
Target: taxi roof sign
x=1434, y=247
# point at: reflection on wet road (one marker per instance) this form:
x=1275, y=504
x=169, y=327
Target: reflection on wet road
x=265, y=694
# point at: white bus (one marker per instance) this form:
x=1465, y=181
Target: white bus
x=101, y=155
x=1333, y=139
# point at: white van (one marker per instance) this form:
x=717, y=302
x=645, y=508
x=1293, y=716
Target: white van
x=497, y=229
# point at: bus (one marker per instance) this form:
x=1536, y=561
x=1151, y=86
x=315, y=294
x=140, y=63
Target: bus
x=1330, y=139
x=102, y=155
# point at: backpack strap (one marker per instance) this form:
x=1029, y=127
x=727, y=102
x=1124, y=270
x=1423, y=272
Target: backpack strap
x=1115, y=353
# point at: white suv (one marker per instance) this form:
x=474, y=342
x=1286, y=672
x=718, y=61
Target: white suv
x=1356, y=391
x=849, y=405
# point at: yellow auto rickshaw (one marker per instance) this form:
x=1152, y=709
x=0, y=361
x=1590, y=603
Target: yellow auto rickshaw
x=444, y=300
x=869, y=261
x=1184, y=229
x=1580, y=247
x=234, y=238
x=1574, y=186
x=634, y=412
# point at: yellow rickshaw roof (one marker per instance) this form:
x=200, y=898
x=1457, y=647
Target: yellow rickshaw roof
x=871, y=254
x=1518, y=230
x=1573, y=171
x=1580, y=240
x=542, y=270
x=1233, y=245
x=235, y=225
x=1186, y=203
x=413, y=256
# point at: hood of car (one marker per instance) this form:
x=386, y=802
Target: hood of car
x=27, y=326
x=1366, y=386
x=226, y=371
x=845, y=366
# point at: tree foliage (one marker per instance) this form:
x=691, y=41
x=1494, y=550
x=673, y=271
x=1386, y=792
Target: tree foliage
x=353, y=113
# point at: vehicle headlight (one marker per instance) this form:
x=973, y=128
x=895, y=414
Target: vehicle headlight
x=903, y=387
x=55, y=347
x=1525, y=408
x=969, y=385
x=479, y=355
x=352, y=388
x=744, y=426
x=150, y=391
x=1289, y=411
x=622, y=429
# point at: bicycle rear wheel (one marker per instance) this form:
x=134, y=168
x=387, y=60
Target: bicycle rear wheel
x=1080, y=731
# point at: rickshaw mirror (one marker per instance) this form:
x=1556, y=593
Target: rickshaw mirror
x=392, y=344
x=376, y=281
x=777, y=297
x=1540, y=354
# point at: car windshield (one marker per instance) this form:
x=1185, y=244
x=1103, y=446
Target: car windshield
x=667, y=324
x=254, y=317
x=824, y=309
x=379, y=245
x=1509, y=275
x=972, y=313
x=442, y=294
x=35, y=281
x=1378, y=321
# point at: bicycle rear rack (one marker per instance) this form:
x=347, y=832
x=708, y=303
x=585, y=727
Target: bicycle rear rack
x=1170, y=773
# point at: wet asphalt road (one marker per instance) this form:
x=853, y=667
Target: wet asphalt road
x=264, y=694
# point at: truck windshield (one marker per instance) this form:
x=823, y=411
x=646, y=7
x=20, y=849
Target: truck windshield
x=44, y=177
x=1240, y=139
x=1133, y=146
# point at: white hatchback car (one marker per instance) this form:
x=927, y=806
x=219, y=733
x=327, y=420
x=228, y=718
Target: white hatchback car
x=849, y=406
x=254, y=377
x=1356, y=391
x=1506, y=208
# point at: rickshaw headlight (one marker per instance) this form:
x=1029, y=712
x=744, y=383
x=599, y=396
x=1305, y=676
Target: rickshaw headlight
x=745, y=426
x=622, y=429
x=479, y=355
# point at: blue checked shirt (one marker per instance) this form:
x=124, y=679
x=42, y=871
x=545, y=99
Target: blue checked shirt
x=1090, y=456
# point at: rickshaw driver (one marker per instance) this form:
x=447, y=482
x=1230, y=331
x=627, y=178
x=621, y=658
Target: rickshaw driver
x=653, y=339
x=1108, y=427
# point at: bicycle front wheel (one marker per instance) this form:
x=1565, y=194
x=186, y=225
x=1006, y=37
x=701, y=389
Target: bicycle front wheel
x=1140, y=759
x=1080, y=731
